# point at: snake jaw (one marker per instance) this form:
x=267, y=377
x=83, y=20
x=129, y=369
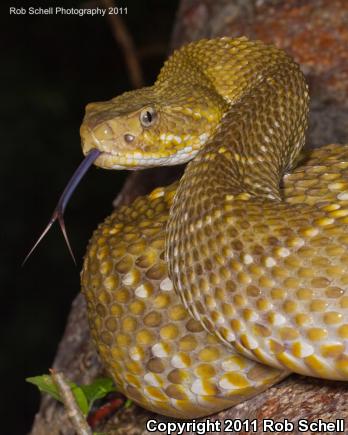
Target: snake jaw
x=138, y=161
x=145, y=154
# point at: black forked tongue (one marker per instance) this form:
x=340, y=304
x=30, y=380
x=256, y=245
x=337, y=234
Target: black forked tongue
x=58, y=213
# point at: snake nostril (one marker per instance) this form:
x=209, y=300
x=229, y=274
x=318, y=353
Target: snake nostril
x=129, y=137
x=102, y=131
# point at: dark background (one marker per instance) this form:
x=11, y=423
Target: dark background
x=51, y=67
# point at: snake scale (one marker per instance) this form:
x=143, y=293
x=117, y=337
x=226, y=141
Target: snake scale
x=208, y=291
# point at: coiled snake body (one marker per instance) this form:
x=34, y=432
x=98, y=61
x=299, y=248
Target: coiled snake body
x=205, y=292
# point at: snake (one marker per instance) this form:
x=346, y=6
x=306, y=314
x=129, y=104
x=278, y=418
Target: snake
x=208, y=291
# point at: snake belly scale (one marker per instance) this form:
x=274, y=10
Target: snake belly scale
x=206, y=292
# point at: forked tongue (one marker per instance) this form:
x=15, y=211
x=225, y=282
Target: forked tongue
x=58, y=213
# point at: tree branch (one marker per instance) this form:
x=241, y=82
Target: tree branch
x=125, y=41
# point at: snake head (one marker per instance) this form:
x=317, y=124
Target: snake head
x=153, y=126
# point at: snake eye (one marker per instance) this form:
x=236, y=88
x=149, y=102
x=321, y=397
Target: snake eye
x=147, y=116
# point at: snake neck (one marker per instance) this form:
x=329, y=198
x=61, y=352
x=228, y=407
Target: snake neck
x=257, y=141
x=263, y=128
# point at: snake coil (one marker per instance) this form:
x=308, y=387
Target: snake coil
x=208, y=291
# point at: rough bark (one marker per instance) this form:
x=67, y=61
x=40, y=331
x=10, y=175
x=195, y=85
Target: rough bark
x=316, y=34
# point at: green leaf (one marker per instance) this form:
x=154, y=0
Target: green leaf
x=85, y=395
x=98, y=389
x=80, y=398
x=128, y=403
x=46, y=385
